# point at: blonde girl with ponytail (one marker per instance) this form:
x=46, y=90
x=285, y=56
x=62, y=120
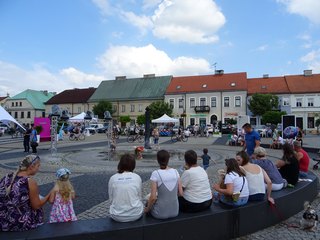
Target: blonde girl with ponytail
x=61, y=197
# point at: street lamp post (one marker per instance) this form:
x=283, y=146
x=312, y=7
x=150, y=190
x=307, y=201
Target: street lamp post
x=108, y=120
x=147, y=131
x=55, y=116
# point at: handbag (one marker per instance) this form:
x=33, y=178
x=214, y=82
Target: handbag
x=34, y=144
x=235, y=196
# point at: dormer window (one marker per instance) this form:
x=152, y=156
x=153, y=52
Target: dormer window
x=263, y=87
x=233, y=84
x=204, y=85
x=178, y=87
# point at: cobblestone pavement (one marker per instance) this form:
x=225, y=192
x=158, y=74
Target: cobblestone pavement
x=90, y=167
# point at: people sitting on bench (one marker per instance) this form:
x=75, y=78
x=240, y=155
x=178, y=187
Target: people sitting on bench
x=197, y=194
x=288, y=165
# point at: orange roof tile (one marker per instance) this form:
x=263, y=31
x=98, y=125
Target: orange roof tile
x=208, y=83
x=267, y=85
x=303, y=84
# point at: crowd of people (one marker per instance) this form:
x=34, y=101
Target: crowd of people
x=249, y=176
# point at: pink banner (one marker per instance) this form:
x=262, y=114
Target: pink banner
x=45, y=124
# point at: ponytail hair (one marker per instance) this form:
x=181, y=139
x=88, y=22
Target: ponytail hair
x=23, y=166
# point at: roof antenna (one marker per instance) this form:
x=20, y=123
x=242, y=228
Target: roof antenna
x=215, y=66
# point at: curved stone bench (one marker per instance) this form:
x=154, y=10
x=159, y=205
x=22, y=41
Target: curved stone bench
x=218, y=222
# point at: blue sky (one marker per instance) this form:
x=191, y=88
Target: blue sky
x=61, y=44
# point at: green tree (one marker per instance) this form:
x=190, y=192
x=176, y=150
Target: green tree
x=273, y=117
x=259, y=104
x=141, y=119
x=157, y=109
x=124, y=119
x=101, y=107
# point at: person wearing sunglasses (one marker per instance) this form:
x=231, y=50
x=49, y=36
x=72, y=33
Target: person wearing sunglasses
x=20, y=202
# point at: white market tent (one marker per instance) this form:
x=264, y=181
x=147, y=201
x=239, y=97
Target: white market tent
x=165, y=119
x=80, y=117
x=5, y=117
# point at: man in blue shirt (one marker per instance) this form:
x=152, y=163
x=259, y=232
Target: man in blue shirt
x=252, y=139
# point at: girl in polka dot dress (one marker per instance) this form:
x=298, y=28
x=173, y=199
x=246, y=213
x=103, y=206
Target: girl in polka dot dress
x=61, y=198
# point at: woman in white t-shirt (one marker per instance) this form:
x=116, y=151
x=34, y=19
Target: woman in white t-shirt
x=197, y=195
x=165, y=187
x=236, y=191
x=125, y=192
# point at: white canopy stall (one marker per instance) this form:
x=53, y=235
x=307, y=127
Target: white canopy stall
x=5, y=117
x=165, y=119
x=80, y=118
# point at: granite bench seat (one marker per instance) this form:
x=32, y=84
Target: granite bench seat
x=219, y=222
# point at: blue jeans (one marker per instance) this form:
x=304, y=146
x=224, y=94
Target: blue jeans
x=257, y=197
x=228, y=201
x=303, y=174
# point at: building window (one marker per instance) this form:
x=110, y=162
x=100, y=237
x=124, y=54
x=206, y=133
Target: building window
x=20, y=104
x=22, y=115
x=132, y=108
x=180, y=102
x=310, y=102
x=192, y=103
x=285, y=101
x=171, y=103
x=28, y=114
x=79, y=110
x=123, y=108
x=237, y=101
x=12, y=104
x=192, y=121
x=213, y=102
x=16, y=104
x=253, y=121
x=114, y=108
x=299, y=102
x=226, y=101
x=15, y=114
x=140, y=107
x=310, y=122
x=202, y=101
x=43, y=114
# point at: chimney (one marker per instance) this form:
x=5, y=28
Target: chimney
x=45, y=92
x=149, y=75
x=121, y=77
x=265, y=75
x=307, y=73
x=219, y=72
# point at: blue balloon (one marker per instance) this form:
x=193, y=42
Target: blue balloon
x=290, y=132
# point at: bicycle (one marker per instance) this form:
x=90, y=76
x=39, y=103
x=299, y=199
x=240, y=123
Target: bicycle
x=176, y=137
x=137, y=137
x=75, y=137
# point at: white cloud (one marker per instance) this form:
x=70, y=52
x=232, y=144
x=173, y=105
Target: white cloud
x=136, y=61
x=104, y=6
x=14, y=79
x=262, y=48
x=313, y=60
x=306, y=8
x=77, y=77
x=142, y=22
x=189, y=21
x=150, y=3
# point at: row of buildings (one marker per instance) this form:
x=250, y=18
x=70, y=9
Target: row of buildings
x=194, y=99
